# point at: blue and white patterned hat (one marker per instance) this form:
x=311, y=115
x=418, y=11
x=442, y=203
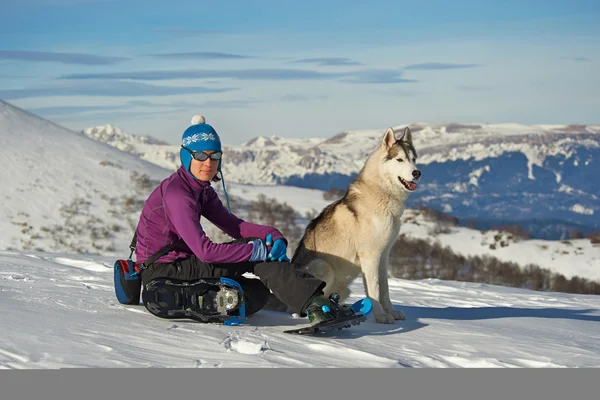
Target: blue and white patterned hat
x=201, y=136
x=198, y=137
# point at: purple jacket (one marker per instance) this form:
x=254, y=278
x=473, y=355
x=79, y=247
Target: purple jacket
x=173, y=211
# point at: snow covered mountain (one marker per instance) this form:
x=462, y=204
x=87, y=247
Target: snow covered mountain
x=145, y=147
x=539, y=176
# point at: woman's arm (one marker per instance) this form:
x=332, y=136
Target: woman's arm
x=217, y=213
x=182, y=210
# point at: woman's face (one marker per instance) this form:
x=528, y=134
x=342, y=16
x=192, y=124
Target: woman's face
x=204, y=170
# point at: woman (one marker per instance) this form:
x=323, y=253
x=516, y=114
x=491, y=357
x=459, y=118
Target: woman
x=171, y=219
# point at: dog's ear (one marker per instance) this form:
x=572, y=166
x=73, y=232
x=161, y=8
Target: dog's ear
x=406, y=136
x=388, y=139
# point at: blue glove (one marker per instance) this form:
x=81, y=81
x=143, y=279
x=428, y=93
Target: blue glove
x=278, y=251
x=259, y=251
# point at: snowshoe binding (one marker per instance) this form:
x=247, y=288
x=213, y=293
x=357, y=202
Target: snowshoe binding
x=326, y=315
x=218, y=300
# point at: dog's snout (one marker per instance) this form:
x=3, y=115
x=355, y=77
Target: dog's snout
x=416, y=174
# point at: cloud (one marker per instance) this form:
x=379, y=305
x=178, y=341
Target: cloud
x=52, y=3
x=328, y=61
x=398, y=93
x=373, y=76
x=71, y=110
x=578, y=59
x=377, y=76
x=301, y=97
x=101, y=117
x=64, y=58
x=107, y=88
x=476, y=88
x=241, y=74
x=18, y=77
x=228, y=103
x=188, y=32
x=133, y=109
x=179, y=32
x=205, y=55
x=439, y=66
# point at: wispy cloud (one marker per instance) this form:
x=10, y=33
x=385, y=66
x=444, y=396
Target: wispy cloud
x=302, y=97
x=373, y=76
x=377, y=76
x=578, y=59
x=70, y=110
x=18, y=77
x=205, y=55
x=439, y=66
x=241, y=74
x=51, y=3
x=107, y=88
x=132, y=109
x=112, y=116
x=398, y=93
x=179, y=32
x=328, y=61
x=64, y=58
x=229, y=103
x=476, y=88
x=188, y=32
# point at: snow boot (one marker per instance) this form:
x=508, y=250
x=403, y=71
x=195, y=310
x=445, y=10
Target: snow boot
x=323, y=309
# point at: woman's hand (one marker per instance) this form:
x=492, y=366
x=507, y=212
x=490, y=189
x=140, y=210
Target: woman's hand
x=278, y=251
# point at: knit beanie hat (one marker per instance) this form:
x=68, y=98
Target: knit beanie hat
x=200, y=136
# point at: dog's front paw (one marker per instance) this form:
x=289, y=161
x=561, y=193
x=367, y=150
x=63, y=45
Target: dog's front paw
x=398, y=315
x=384, y=318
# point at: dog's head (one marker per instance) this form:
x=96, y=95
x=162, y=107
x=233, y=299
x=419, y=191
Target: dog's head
x=399, y=159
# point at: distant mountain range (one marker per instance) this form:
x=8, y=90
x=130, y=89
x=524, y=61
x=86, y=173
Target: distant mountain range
x=541, y=177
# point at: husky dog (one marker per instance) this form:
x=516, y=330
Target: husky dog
x=355, y=234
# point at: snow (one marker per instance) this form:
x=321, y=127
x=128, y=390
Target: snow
x=578, y=208
x=55, y=181
x=476, y=174
x=58, y=308
x=576, y=257
x=60, y=311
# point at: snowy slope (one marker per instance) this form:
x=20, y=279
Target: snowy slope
x=62, y=191
x=59, y=311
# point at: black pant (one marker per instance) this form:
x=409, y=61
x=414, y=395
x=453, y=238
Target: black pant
x=290, y=285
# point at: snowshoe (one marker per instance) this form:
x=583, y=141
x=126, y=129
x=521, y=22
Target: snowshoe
x=326, y=315
x=218, y=300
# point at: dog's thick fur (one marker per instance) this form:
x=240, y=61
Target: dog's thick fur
x=355, y=234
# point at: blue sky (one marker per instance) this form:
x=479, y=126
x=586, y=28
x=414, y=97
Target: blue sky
x=300, y=69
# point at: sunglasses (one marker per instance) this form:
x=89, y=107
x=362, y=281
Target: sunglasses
x=202, y=156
